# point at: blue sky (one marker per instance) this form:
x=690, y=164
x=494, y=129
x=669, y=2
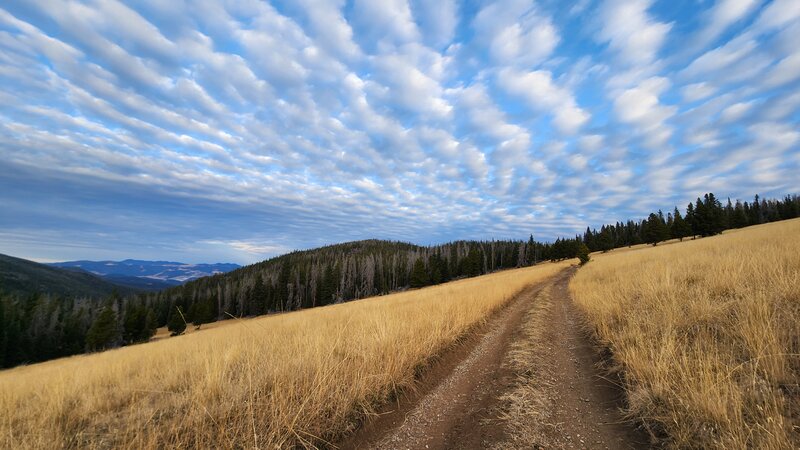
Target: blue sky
x=211, y=131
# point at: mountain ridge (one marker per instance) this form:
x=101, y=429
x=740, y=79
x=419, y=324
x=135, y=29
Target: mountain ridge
x=148, y=275
x=25, y=277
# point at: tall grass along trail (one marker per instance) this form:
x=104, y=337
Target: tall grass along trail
x=527, y=379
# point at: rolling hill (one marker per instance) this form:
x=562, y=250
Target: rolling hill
x=23, y=277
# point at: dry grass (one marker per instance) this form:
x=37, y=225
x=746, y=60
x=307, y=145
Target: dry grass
x=275, y=382
x=707, y=334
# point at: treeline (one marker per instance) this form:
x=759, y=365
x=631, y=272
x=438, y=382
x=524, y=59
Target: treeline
x=705, y=217
x=40, y=327
x=338, y=273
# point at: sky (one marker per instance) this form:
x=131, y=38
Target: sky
x=211, y=131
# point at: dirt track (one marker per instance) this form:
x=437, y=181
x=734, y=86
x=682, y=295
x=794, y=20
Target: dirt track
x=527, y=378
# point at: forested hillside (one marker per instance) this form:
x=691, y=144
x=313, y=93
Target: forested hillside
x=337, y=273
x=22, y=277
x=41, y=326
x=704, y=217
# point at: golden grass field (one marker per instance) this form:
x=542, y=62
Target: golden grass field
x=707, y=335
x=295, y=379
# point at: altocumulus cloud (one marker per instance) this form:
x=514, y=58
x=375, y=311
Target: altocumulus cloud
x=217, y=130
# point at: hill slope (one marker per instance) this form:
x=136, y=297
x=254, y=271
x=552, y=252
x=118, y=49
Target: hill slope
x=336, y=273
x=22, y=277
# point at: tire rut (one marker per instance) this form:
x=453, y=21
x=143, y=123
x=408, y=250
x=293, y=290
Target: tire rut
x=462, y=406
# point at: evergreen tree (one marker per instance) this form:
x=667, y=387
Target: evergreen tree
x=739, y=219
x=437, y=268
x=656, y=229
x=715, y=215
x=530, y=250
x=472, y=265
x=258, y=299
x=756, y=216
x=419, y=275
x=691, y=219
x=283, y=287
x=105, y=331
x=328, y=286
x=680, y=227
x=177, y=323
x=583, y=253
x=605, y=241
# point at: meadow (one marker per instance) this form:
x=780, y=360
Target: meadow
x=706, y=335
x=296, y=379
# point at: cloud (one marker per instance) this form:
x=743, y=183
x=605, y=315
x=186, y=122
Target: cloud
x=631, y=32
x=697, y=91
x=640, y=106
x=516, y=33
x=237, y=130
x=722, y=15
x=389, y=22
x=541, y=93
x=437, y=21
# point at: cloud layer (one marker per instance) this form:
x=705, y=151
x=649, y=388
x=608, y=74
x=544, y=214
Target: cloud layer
x=213, y=130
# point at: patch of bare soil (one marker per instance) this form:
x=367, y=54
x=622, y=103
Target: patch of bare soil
x=562, y=398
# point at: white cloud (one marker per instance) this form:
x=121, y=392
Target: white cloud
x=437, y=20
x=697, y=91
x=330, y=28
x=736, y=111
x=776, y=15
x=631, y=32
x=540, y=92
x=723, y=14
x=640, y=106
x=385, y=22
x=515, y=32
x=786, y=71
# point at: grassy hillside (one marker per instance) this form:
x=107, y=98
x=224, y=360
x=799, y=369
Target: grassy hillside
x=707, y=334
x=22, y=277
x=341, y=272
x=286, y=380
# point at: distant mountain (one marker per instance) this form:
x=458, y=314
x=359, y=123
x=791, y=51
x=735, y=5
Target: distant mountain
x=22, y=277
x=148, y=275
x=141, y=283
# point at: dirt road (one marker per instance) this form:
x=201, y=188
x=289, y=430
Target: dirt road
x=527, y=378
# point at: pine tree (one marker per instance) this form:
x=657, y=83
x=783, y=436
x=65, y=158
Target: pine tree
x=105, y=331
x=605, y=241
x=739, y=219
x=177, y=323
x=691, y=219
x=258, y=298
x=715, y=215
x=583, y=253
x=419, y=275
x=680, y=228
x=656, y=229
x=530, y=249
